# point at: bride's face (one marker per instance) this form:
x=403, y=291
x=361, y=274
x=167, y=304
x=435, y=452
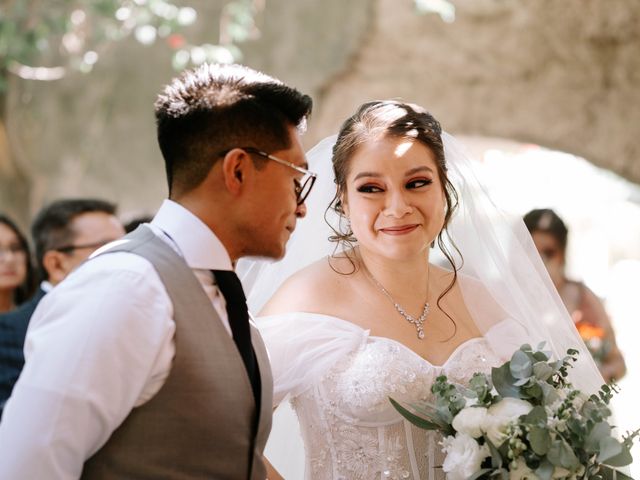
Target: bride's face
x=394, y=197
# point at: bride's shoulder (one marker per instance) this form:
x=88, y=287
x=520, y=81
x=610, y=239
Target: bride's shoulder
x=308, y=289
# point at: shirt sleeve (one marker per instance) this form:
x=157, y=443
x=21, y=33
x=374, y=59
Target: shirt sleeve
x=91, y=349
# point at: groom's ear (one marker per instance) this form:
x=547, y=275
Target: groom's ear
x=234, y=166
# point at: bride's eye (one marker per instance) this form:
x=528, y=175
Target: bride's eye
x=419, y=182
x=369, y=188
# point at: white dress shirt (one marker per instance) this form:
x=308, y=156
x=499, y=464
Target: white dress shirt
x=98, y=345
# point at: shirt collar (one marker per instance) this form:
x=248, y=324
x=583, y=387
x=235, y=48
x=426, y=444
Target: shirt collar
x=46, y=286
x=198, y=244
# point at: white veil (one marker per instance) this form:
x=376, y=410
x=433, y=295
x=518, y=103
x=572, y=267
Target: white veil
x=502, y=273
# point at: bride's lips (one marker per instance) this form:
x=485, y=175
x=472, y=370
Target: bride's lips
x=400, y=229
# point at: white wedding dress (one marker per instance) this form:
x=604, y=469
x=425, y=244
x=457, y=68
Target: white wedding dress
x=339, y=380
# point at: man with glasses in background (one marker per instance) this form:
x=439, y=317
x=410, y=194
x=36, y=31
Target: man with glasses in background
x=65, y=233
x=164, y=376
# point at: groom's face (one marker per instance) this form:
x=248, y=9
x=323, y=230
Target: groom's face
x=274, y=201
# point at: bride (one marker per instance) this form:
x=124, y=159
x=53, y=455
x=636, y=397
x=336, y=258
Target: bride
x=426, y=277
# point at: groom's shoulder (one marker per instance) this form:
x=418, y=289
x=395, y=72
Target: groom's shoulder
x=121, y=265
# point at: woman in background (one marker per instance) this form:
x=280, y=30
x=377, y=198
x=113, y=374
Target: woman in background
x=16, y=273
x=550, y=234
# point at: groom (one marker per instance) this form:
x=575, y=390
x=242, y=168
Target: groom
x=143, y=363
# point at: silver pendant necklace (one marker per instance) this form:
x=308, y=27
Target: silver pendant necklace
x=416, y=322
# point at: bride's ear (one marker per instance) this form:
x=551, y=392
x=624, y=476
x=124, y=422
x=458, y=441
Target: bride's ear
x=344, y=206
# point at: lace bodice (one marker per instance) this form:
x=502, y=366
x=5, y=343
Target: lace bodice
x=349, y=427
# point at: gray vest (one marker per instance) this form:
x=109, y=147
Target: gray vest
x=201, y=424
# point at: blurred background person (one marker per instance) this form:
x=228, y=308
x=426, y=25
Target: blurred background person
x=550, y=235
x=17, y=279
x=65, y=234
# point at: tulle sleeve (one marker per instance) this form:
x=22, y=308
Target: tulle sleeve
x=304, y=346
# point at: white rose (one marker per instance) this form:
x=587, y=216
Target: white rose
x=521, y=471
x=500, y=415
x=579, y=400
x=470, y=420
x=559, y=472
x=463, y=456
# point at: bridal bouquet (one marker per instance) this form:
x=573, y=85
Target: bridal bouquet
x=525, y=422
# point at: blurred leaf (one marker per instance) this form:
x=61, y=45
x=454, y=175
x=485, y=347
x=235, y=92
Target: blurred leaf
x=598, y=432
x=609, y=473
x=496, y=458
x=537, y=416
x=609, y=448
x=479, y=473
x=415, y=419
x=542, y=370
x=561, y=455
x=540, y=440
x=532, y=392
x=545, y=470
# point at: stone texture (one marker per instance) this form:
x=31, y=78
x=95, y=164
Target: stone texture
x=563, y=74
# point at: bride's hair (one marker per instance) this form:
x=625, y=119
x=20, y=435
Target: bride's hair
x=389, y=118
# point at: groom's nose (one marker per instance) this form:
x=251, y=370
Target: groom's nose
x=301, y=210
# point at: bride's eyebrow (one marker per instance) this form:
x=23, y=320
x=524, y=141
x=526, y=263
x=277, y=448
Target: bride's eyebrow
x=366, y=174
x=422, y=168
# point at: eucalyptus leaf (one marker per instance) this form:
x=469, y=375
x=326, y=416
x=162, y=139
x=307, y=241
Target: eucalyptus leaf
x=520, y=365
x=533, y=391
x=542, y=370
x=540, y=440
x=503, y=381
x=609, y=473
x=545, y=470
x=549, y=394
x=415, y=419
x=598, y=432
x=609, y=448
x=561, y=455
x=623, y=459
x=496, y=458
x=537, y=416
x=542, y=356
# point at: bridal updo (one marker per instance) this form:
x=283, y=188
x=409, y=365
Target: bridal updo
x=388, y=118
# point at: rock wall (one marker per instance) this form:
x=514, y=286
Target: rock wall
x=563, y=74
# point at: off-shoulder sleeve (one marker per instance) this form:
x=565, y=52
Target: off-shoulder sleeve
x=304, y=346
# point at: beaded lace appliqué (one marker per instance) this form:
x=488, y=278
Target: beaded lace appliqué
x=351, y=430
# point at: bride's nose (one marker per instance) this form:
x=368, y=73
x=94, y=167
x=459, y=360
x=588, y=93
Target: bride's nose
x=397, y=204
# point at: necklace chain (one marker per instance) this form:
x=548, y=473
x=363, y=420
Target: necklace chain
x=417, y=322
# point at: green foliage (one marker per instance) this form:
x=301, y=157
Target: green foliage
x=69, y=34
x=563, y=434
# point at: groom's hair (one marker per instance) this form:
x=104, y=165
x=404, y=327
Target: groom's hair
x=209, y=110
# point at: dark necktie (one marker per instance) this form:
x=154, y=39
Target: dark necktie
x=231, y=289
